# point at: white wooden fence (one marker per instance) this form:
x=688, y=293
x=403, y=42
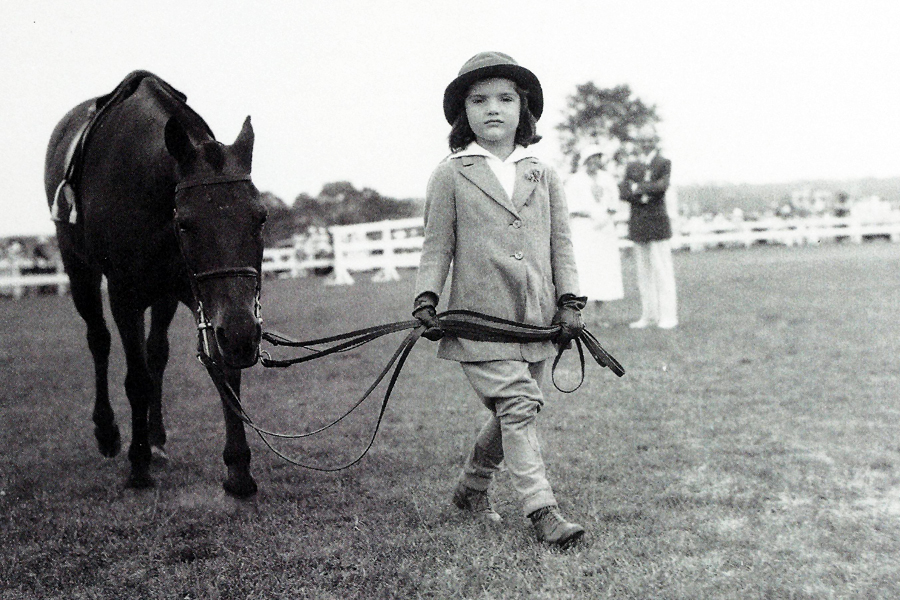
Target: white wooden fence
x=384, y=247
x=699, y=235
x=18, y=274
x=306, y=253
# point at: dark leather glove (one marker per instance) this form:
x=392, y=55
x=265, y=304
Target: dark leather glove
x=568, y=316
x=424, y=310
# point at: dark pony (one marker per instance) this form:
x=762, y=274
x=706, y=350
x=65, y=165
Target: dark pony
x=167, y=214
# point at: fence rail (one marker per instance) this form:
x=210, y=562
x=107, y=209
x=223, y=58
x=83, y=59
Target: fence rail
x=18, y=274
x=386, y=246
x=700, y=235
x=382, y=247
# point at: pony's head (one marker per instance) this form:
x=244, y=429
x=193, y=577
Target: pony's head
x=219, y=220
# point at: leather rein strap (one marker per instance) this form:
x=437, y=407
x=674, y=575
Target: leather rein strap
x=460, y=323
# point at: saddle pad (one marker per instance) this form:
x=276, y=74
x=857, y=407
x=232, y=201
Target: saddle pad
x=66, y=198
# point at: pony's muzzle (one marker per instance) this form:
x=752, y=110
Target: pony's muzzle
x=239, y=343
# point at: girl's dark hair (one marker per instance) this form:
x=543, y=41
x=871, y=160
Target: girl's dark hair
x=461, y=134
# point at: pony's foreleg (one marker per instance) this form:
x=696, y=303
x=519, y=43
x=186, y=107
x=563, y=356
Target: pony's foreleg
x=88, y=300
x=161, y=314
x=139, y=387
x=239, y=482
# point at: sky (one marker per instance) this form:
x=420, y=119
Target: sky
x=754, y=91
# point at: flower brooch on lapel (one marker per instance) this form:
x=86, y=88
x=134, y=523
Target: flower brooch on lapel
x=533, y=175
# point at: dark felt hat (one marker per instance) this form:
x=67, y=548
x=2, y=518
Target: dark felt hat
x=485, y=65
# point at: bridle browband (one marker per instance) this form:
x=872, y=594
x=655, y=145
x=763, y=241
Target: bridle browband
x=204, y=327
x=210, y=180
x=226, y=272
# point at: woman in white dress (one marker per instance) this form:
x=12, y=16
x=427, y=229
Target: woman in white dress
x=592, y=195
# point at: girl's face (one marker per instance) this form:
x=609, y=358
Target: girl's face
x=492, y=108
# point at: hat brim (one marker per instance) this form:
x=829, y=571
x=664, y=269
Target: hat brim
x=455, y=94
x=587, y=157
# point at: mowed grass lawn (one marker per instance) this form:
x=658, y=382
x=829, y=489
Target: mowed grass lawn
x=751, y=453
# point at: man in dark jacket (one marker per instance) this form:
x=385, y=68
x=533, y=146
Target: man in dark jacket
x=644, y=188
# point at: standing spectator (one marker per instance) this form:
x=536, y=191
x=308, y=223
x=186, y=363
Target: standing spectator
x=842, y=206
x=592, y=195
x=644, y=188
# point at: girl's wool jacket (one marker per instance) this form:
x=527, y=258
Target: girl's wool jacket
x=511, y=258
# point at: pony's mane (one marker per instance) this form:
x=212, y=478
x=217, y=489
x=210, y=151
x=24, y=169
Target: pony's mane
x=175, y=103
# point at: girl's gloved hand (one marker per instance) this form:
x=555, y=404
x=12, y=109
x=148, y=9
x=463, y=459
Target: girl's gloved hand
x=568, y=316
x=424, y=310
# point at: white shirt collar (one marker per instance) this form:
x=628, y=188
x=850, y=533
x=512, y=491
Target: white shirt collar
x=504, y=170
x=474, y=149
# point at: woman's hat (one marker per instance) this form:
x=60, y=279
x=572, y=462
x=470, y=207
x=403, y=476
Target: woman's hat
x=486, y=65
x=607, y=148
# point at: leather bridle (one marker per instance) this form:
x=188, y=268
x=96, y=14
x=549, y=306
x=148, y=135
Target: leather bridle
x=204, y=327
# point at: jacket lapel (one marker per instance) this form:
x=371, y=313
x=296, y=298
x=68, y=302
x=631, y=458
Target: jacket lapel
x=475, y=169
x=528, y=173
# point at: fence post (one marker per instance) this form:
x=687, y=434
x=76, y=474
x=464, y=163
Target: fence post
x=388, y=270
x=296, y=271
x=856, y=230
x=63, y=287
x=15, y=268
x=341, y=268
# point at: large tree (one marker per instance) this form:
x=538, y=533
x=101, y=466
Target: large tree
x=595, y=114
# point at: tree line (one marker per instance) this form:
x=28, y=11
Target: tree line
x=338, y=203
x=593, y=114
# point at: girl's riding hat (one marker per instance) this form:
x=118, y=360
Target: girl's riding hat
x=486, y=65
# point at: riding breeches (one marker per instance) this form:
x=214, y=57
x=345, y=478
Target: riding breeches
x=511, y=390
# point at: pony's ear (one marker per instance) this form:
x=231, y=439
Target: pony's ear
x=179, y=144
x=243, y=145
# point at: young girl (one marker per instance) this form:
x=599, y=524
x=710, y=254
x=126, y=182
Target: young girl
x=498, y=217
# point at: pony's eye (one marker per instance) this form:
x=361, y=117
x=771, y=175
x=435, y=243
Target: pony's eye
x=262, y=216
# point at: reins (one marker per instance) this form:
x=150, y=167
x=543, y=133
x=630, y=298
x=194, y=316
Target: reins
x=397, y=360
x=460, y=323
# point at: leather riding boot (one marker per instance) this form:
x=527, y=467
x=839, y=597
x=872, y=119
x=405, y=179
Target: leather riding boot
x=552, y=528
x=476, y=502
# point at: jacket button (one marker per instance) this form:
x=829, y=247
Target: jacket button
x=518, y=256
x=517, y=224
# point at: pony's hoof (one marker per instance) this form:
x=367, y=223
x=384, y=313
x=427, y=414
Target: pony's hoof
x=158, y=455
x=109, y=441
x=139, y=481
x=241, y=488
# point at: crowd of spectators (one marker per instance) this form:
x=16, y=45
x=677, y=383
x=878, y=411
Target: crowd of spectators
x=801, y=205
x=37, y=252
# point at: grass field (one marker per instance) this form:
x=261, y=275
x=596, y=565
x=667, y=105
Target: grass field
x=751, y=453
